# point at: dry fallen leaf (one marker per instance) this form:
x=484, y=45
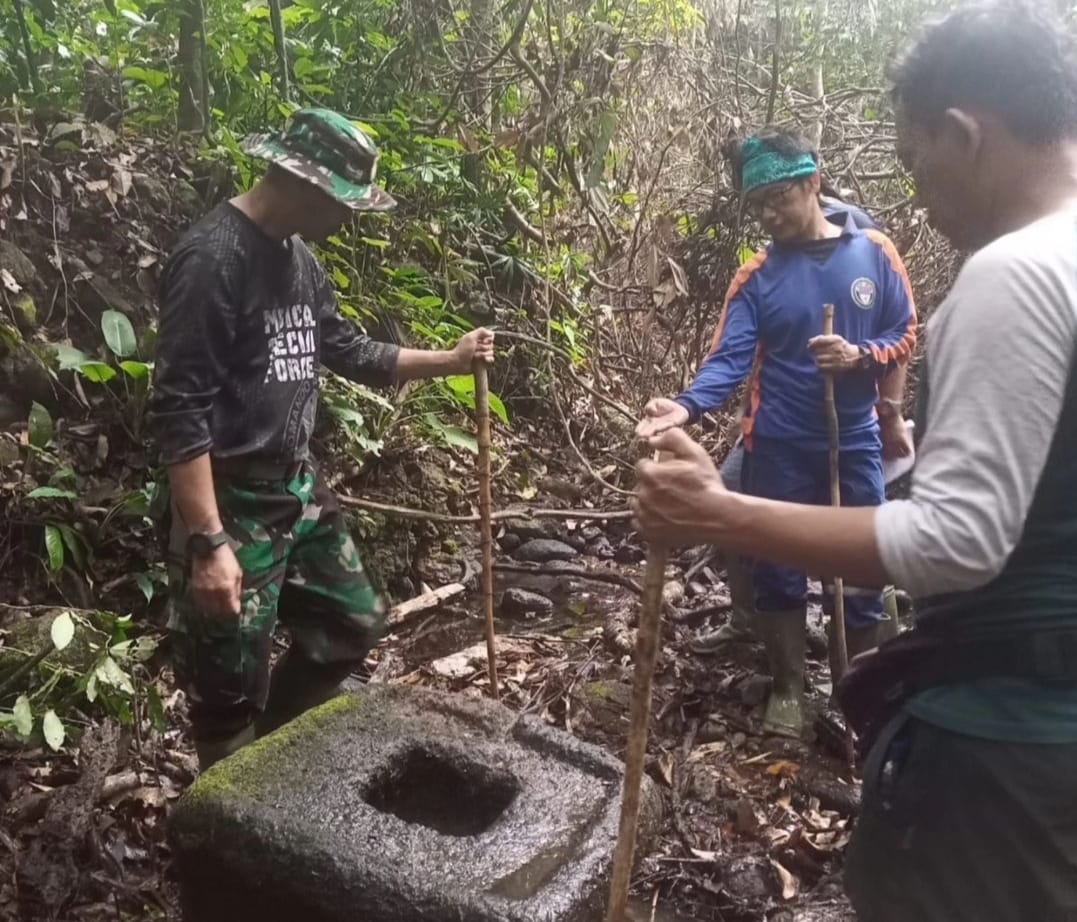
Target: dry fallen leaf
x=704, y=856
x=783, y=769
x=707, y=749
x=665, y=766
x=97, y=185
x=9, y=282
x=121, y=182
x=788, y=881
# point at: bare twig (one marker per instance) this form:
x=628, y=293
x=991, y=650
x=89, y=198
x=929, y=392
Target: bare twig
x=775, y=61
x=519, y=512
x=598, y=576
x=435, y=597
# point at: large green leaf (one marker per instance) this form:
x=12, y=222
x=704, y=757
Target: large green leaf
x=75, y=545
x=156, y=79
x=54, y=544
x=452, y=435
x=51, y=493
x=53, y=729
x=62, y=630
x=39, y=426
x=137, y=371
x=98, y=372
x=119, y=334
x=110, y=673
x=24, y=717
x=497, y=407
x=69, y=357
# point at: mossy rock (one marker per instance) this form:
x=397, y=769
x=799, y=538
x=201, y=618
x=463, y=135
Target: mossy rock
x=24, y=638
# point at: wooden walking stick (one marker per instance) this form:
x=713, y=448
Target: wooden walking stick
x=837, y=633
x=647, y=638
x=835, y=499
x=486, y=541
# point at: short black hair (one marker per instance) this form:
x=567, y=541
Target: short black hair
x=1010, y=58
x=781, y=140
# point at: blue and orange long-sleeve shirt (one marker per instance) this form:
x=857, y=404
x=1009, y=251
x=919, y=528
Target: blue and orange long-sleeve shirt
x=775, y=305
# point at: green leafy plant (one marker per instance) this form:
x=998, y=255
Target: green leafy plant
x=88, y=664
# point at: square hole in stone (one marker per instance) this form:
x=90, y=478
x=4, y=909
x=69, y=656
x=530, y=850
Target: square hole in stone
x=444, y=791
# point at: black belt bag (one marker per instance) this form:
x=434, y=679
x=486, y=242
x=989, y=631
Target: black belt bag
x=878, y=683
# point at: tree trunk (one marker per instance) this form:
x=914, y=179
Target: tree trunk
x=193, y=112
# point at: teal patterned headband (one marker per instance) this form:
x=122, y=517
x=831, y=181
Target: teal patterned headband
x=761, y=165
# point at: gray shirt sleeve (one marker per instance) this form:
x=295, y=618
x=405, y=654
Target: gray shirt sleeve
x=999, y=352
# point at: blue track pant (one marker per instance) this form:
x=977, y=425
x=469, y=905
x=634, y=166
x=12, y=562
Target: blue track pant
x=775, y=469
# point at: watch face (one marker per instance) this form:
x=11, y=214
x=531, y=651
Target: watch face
x=200, y=545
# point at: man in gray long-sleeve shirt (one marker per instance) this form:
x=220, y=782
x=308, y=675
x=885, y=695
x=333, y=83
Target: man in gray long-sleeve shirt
x=247, y=318
x=970, y=795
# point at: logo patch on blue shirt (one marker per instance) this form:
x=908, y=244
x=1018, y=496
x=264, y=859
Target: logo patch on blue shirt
x=863, y=292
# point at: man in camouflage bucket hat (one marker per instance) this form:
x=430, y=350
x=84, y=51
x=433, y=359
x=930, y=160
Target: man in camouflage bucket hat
x=328, y=150
x=247, y=316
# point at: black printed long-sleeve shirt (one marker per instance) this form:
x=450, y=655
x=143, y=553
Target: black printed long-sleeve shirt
x=245, y=324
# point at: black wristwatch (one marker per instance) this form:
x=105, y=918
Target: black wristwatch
x=201, y=544
x=867, y=360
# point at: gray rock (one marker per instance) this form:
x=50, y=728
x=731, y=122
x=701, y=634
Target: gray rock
x=404, y=805
x=27, y=636
x=575, y=540
x=600, y=548
x=10, y=413
x=749, y=880
x=626, y=553
x=712, y=730
x=510, y=541
x=528, y=529
x=517, y=601
x=543, y=550
x=17, y=263
x=186, y=197
x=591, y=533
x=151, y=190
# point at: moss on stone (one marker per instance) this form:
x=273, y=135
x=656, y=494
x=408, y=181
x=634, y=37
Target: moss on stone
x=245, y=772
x=600, y=690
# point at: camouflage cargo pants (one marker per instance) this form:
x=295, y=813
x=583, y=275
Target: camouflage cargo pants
x=300, y=566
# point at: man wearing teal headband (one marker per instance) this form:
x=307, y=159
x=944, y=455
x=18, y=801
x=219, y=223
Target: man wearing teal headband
x=770, y=332
x=968, y=720
x=255, y=535
x=893, y=430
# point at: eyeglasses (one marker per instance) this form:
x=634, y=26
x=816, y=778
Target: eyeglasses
x=772, y=198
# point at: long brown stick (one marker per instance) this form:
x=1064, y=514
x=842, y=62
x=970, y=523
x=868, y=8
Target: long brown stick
x=636, y=750
x=518, y=512
x=486, y=531
x=841, y=649
x=835, y=499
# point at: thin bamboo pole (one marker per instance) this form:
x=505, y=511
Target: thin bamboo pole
x=647, y=640
x=482, y=419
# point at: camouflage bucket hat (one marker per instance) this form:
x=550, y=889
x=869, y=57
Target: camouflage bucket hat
x=325, y=148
